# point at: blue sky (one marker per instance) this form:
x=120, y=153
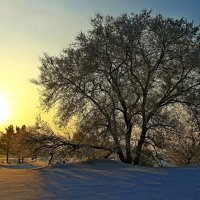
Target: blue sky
x=31, y=27
x=174, y=8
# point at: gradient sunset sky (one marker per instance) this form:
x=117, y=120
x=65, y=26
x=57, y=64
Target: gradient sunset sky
x=31, y=27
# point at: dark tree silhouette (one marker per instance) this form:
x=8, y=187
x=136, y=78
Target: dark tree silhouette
x=123, y=75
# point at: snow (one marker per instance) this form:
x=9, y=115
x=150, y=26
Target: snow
x=99, y=180
x=20, y=184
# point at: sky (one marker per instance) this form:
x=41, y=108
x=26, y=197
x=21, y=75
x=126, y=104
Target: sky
x=28, y=28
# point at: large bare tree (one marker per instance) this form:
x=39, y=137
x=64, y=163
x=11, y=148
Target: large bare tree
x=122, y=76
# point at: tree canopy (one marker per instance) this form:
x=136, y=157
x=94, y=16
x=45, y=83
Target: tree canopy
x=124, y=77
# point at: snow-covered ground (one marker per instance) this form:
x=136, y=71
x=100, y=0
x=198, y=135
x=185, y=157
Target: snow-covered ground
x=99, y=180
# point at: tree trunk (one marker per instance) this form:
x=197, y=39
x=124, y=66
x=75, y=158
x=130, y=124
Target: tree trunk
x=128, y=145
x=121, y=156
x=19, y=160
x=129, y=158
x=51, y=158
x=140, y=145
x=7, y=156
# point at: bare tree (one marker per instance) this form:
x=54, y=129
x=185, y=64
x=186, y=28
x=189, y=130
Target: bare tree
x=49, y=145
x=183, y=147
x=123, y=75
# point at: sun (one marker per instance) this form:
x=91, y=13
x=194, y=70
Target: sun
x=4, y=109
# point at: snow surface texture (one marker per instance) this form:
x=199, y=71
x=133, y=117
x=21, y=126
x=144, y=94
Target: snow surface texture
x=100, y=180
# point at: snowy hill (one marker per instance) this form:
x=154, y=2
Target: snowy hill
x=112, y=180
x=101, y=180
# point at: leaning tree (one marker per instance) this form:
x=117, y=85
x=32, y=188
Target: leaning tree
x=122, y=77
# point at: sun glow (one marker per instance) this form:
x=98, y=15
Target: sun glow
x=4, y=109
